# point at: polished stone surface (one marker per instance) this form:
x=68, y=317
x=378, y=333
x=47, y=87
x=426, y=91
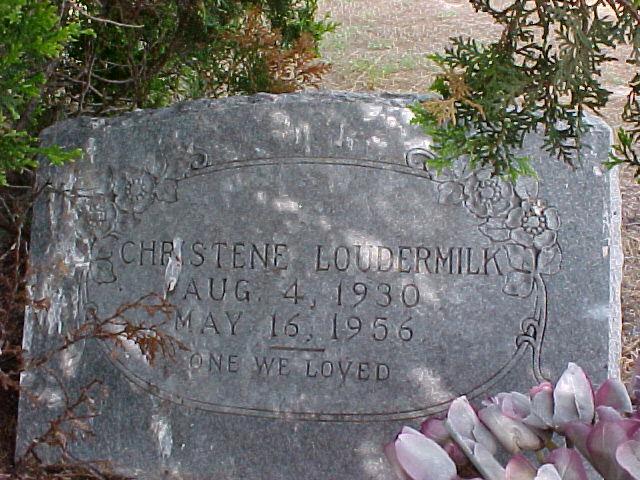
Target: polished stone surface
x=327, y=288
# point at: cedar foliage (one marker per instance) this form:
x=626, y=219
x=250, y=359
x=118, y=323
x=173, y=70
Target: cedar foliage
x=61, y=58
x=543, y=72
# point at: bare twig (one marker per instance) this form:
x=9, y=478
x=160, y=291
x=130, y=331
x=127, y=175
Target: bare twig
x=106, y=80
x=117, y=328
x=17, y=187
x=84, y=13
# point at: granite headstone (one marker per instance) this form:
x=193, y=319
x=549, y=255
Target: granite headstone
x=326, y=286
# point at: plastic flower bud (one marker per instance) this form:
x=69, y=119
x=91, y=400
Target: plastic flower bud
x=573, y=397
x=561, y=464
x=463, y=421
x=547, y=472
x=608, y=414
x=541, y=415
x=628, y=457
x=456, y=454
x=513, y=434
x=475, y=440
x=392, y=457
x=577, y=433
x=420, y=458
x=603, y=441
x=568, y=464
x=613, y=393
x=519, y=468
x=513, y=405
x=435, y=429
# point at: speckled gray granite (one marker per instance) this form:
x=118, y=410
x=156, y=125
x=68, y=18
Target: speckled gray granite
x=327, y=286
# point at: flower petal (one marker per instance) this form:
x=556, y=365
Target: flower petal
x=519, y=468
x=455, y=452
x=484, y=174
x=422, y=458
x=434, y=429
x=474, y=439
x=613, y=393
x=514, y=405
x=486, y=463
x=506, y=190
x=577, y=433
x=417, y=158
x=548, y=472
x=514, y=435
x=496, y=233
x=541, y=406
x=520, y=258
x=573, y=397
x=410, y=431
x=545, y=239
x=461, y=418
x=568, y=463
x=167, y=190
x=476, y=206
x=608, y=414
x=471, y=184
x=450, y=193
x=500, y=207
x=527, y=187
x=549, y=260
x=518, y=284
x=390, y=453
x=552, y=217
x=628, y=457
x=525, y=239
x=514, y=218
x=603, y=441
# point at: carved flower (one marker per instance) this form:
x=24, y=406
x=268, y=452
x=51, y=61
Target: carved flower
x=533, y=224
x=450, y=193
x=487, y=195
x=136, y=192
x=100, y=266
x=96, y=216
x=527, y=263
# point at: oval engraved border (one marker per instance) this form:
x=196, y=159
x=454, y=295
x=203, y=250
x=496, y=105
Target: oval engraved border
x=157, y=187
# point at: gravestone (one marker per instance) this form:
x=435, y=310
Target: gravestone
x=326, y=287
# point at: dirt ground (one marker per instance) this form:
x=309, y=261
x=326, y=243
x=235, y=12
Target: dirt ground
x=381, y=45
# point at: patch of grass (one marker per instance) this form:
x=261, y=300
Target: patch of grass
x=381, y=44
x=335, y=44
x=447, y=14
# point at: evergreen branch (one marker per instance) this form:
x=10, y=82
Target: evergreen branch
x=527, y=80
